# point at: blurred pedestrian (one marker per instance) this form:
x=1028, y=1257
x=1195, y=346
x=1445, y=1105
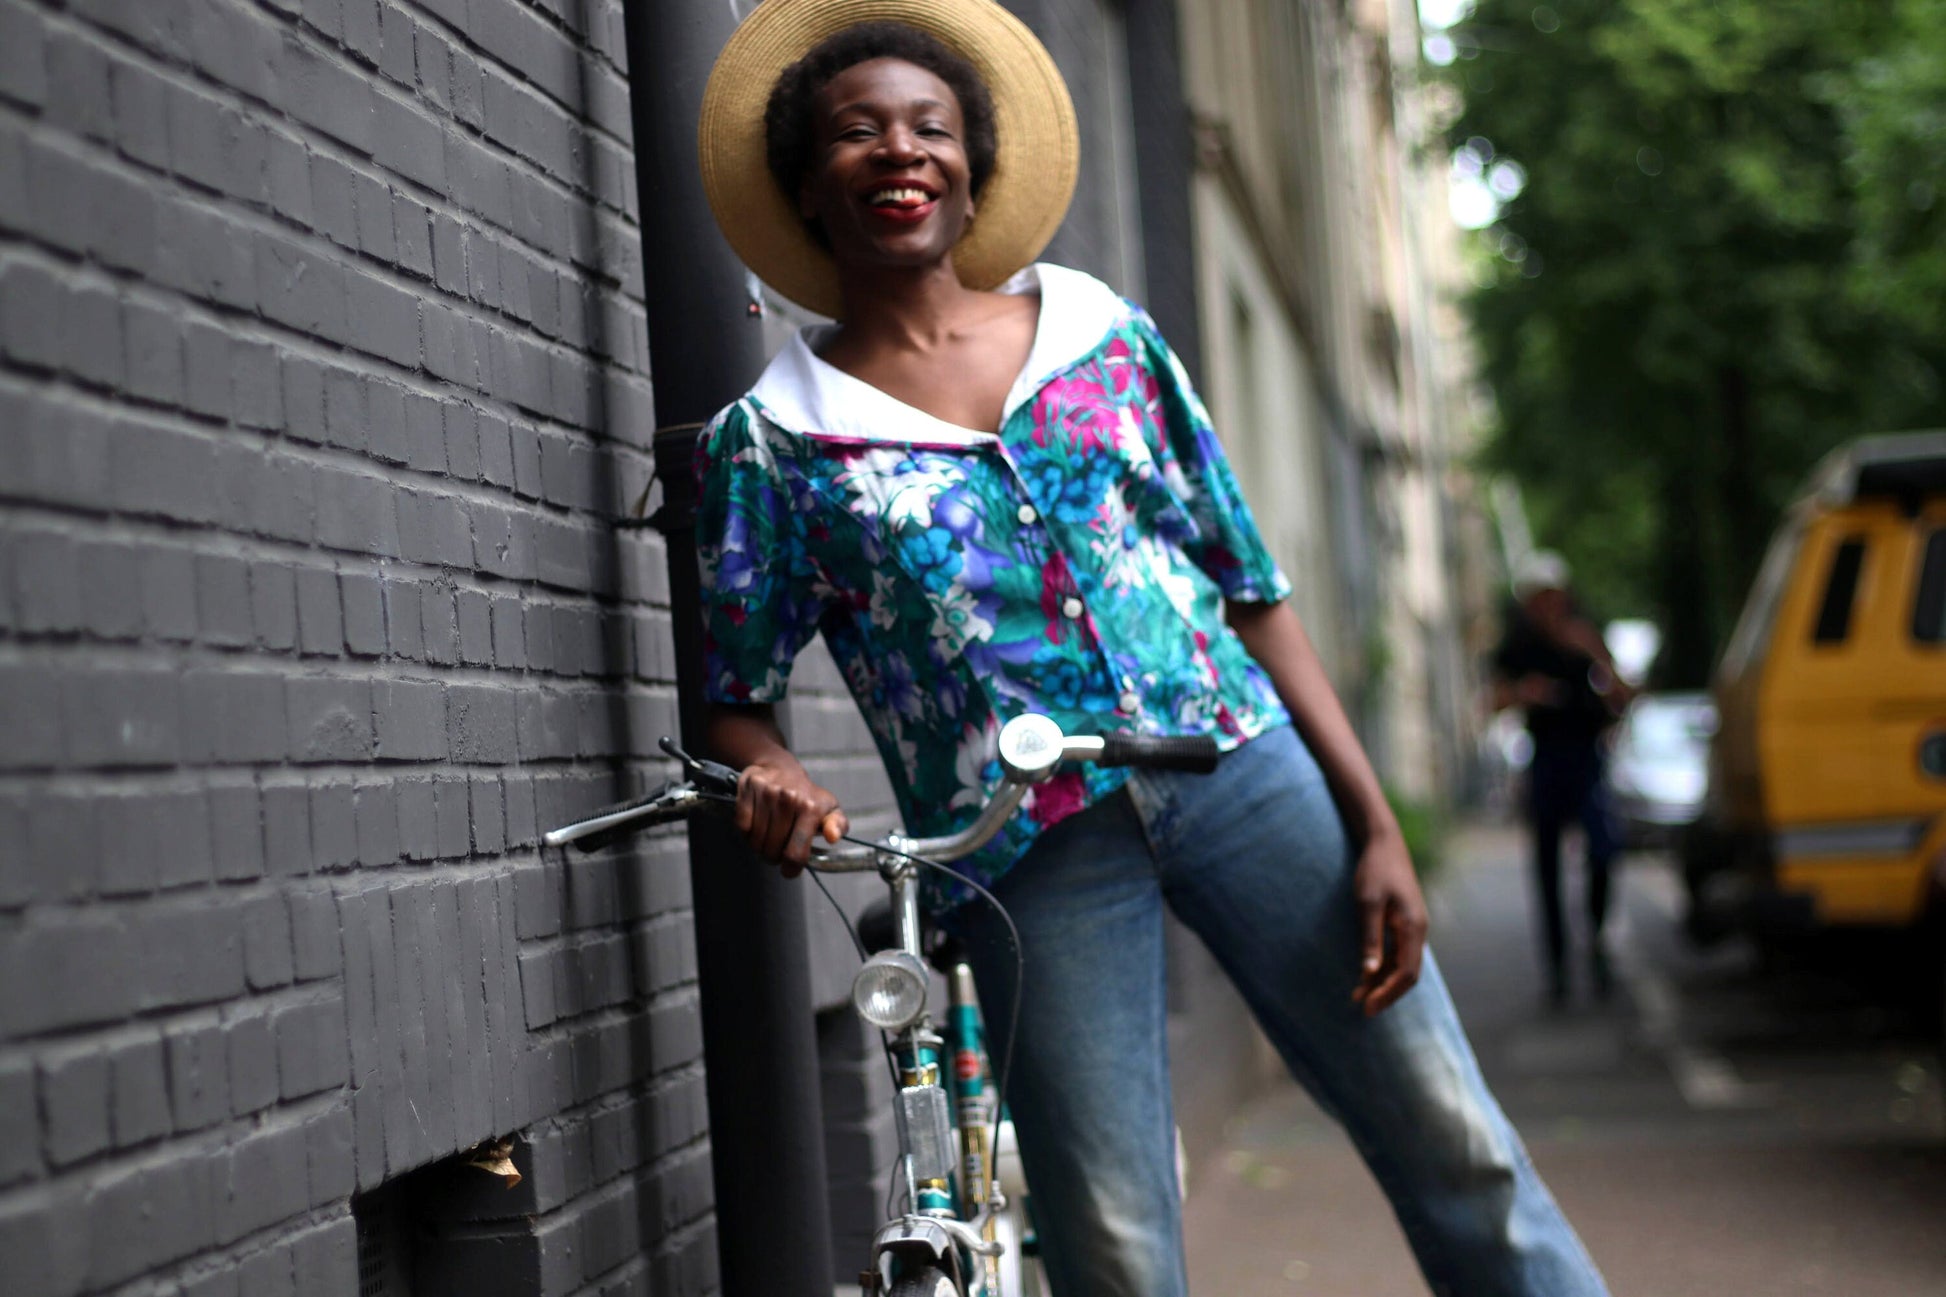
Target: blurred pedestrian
x=1553, y=665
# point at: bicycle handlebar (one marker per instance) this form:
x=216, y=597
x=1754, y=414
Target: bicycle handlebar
x=1031, y=746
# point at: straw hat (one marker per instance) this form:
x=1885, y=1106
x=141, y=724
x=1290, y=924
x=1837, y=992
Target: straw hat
x=1020, y=207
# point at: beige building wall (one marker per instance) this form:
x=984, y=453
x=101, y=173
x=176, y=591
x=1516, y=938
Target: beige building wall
x=1326, y=266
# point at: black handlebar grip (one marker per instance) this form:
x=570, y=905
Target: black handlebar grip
x=1196, y=753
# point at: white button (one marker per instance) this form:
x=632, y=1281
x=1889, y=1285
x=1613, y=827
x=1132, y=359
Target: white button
x=1130, y=702
x=1026, y=513
x=1071, y=607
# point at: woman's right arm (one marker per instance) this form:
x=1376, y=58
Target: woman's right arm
x=779, y=809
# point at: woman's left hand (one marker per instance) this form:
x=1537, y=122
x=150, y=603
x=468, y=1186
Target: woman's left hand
x=1392, y=923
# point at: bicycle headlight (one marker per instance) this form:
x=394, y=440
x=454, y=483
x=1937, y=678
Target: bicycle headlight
x=890, y=990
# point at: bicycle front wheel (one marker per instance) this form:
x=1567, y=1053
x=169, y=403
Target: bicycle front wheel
x=927, y=1281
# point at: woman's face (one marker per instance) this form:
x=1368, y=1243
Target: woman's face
x=889, y=179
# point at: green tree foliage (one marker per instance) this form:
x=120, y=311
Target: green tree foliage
x=1727, y=258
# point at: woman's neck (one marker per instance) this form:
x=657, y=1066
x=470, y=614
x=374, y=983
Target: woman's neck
x=902, y=309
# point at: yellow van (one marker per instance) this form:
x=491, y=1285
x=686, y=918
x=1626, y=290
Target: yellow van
x=1827, y=802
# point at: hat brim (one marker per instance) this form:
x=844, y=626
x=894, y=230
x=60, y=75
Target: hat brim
x=1024, y=199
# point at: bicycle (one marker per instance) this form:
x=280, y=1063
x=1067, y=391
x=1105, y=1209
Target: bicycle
x=965, y=1230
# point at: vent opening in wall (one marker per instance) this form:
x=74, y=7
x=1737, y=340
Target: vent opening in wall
x=387, y=1228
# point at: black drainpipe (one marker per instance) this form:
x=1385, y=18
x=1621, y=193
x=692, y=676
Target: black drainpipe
x=759, y=1038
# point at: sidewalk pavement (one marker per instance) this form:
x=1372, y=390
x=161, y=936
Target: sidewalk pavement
x=1820, y=1171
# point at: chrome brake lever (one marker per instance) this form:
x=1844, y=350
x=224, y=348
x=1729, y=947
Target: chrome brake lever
x=708, y=776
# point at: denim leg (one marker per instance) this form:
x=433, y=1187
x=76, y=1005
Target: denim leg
x=1255, y=860
x=1089, y=1088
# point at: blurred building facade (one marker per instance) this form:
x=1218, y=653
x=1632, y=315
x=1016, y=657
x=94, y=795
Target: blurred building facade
x=1326, y=269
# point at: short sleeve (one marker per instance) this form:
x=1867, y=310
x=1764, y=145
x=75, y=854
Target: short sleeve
x=1229, y=549
x=761, y=597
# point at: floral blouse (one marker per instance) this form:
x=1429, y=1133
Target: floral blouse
x=1075, y=564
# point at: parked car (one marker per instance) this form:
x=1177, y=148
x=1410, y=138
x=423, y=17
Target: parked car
x=1827, y=784
x=1658, y=768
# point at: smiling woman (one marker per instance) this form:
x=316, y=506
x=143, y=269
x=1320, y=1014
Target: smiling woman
x=993, y=491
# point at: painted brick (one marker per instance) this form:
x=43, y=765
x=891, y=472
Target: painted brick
x=236, y=832
x=153, y=336
x=411, y=718
x=480, y=724
x=287, y=829
x=169, y=593
x=74, y=1103
x=326, y=95
x=334, y=211
x=312, y=1053
x=450, y=807
x=253, y=1062
x=206, y=364
x=289, y=173
x=268, y=959
x=418, y=823
x=191, y=953
x=364, y=33
x=23, y=57
x=268, y=1271
x=265, y=1181
x=233, y=716
x=388, y=319
x=154, y=840
x=509, y=637
x=320, y=621
x=330, y=1153
x=475, y=627
x=330, y=719
x=199, y=1077
x=356, y=512
x=364, y=614
x=433, y=529
x=326, y=1259
x=315, y=934
x=138, y=1090
x=121, y=717
x=404, y=622
x=273, y=605
x=334, y=829
x=46, y=579
x=439, y=623
x=410, y=143
x=295, y=286
x=223, y=600
x=375, y=807
x=522, y=819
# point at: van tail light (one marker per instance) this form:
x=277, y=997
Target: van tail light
x=1932, y=755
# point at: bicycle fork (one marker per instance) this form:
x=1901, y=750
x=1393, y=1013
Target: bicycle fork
x=931, y=1231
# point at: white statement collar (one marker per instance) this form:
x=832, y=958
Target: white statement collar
x=804, y=394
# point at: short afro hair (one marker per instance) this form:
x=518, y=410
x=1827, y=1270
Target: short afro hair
x=787, y=117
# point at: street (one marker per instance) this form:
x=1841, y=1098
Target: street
x=1721, y=1126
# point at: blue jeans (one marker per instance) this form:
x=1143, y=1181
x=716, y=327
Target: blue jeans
x=1255, y=860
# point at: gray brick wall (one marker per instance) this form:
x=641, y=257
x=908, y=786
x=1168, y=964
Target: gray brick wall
x=322, y=372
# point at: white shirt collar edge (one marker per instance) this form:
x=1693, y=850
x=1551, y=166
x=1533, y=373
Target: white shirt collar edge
x=803, y=394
